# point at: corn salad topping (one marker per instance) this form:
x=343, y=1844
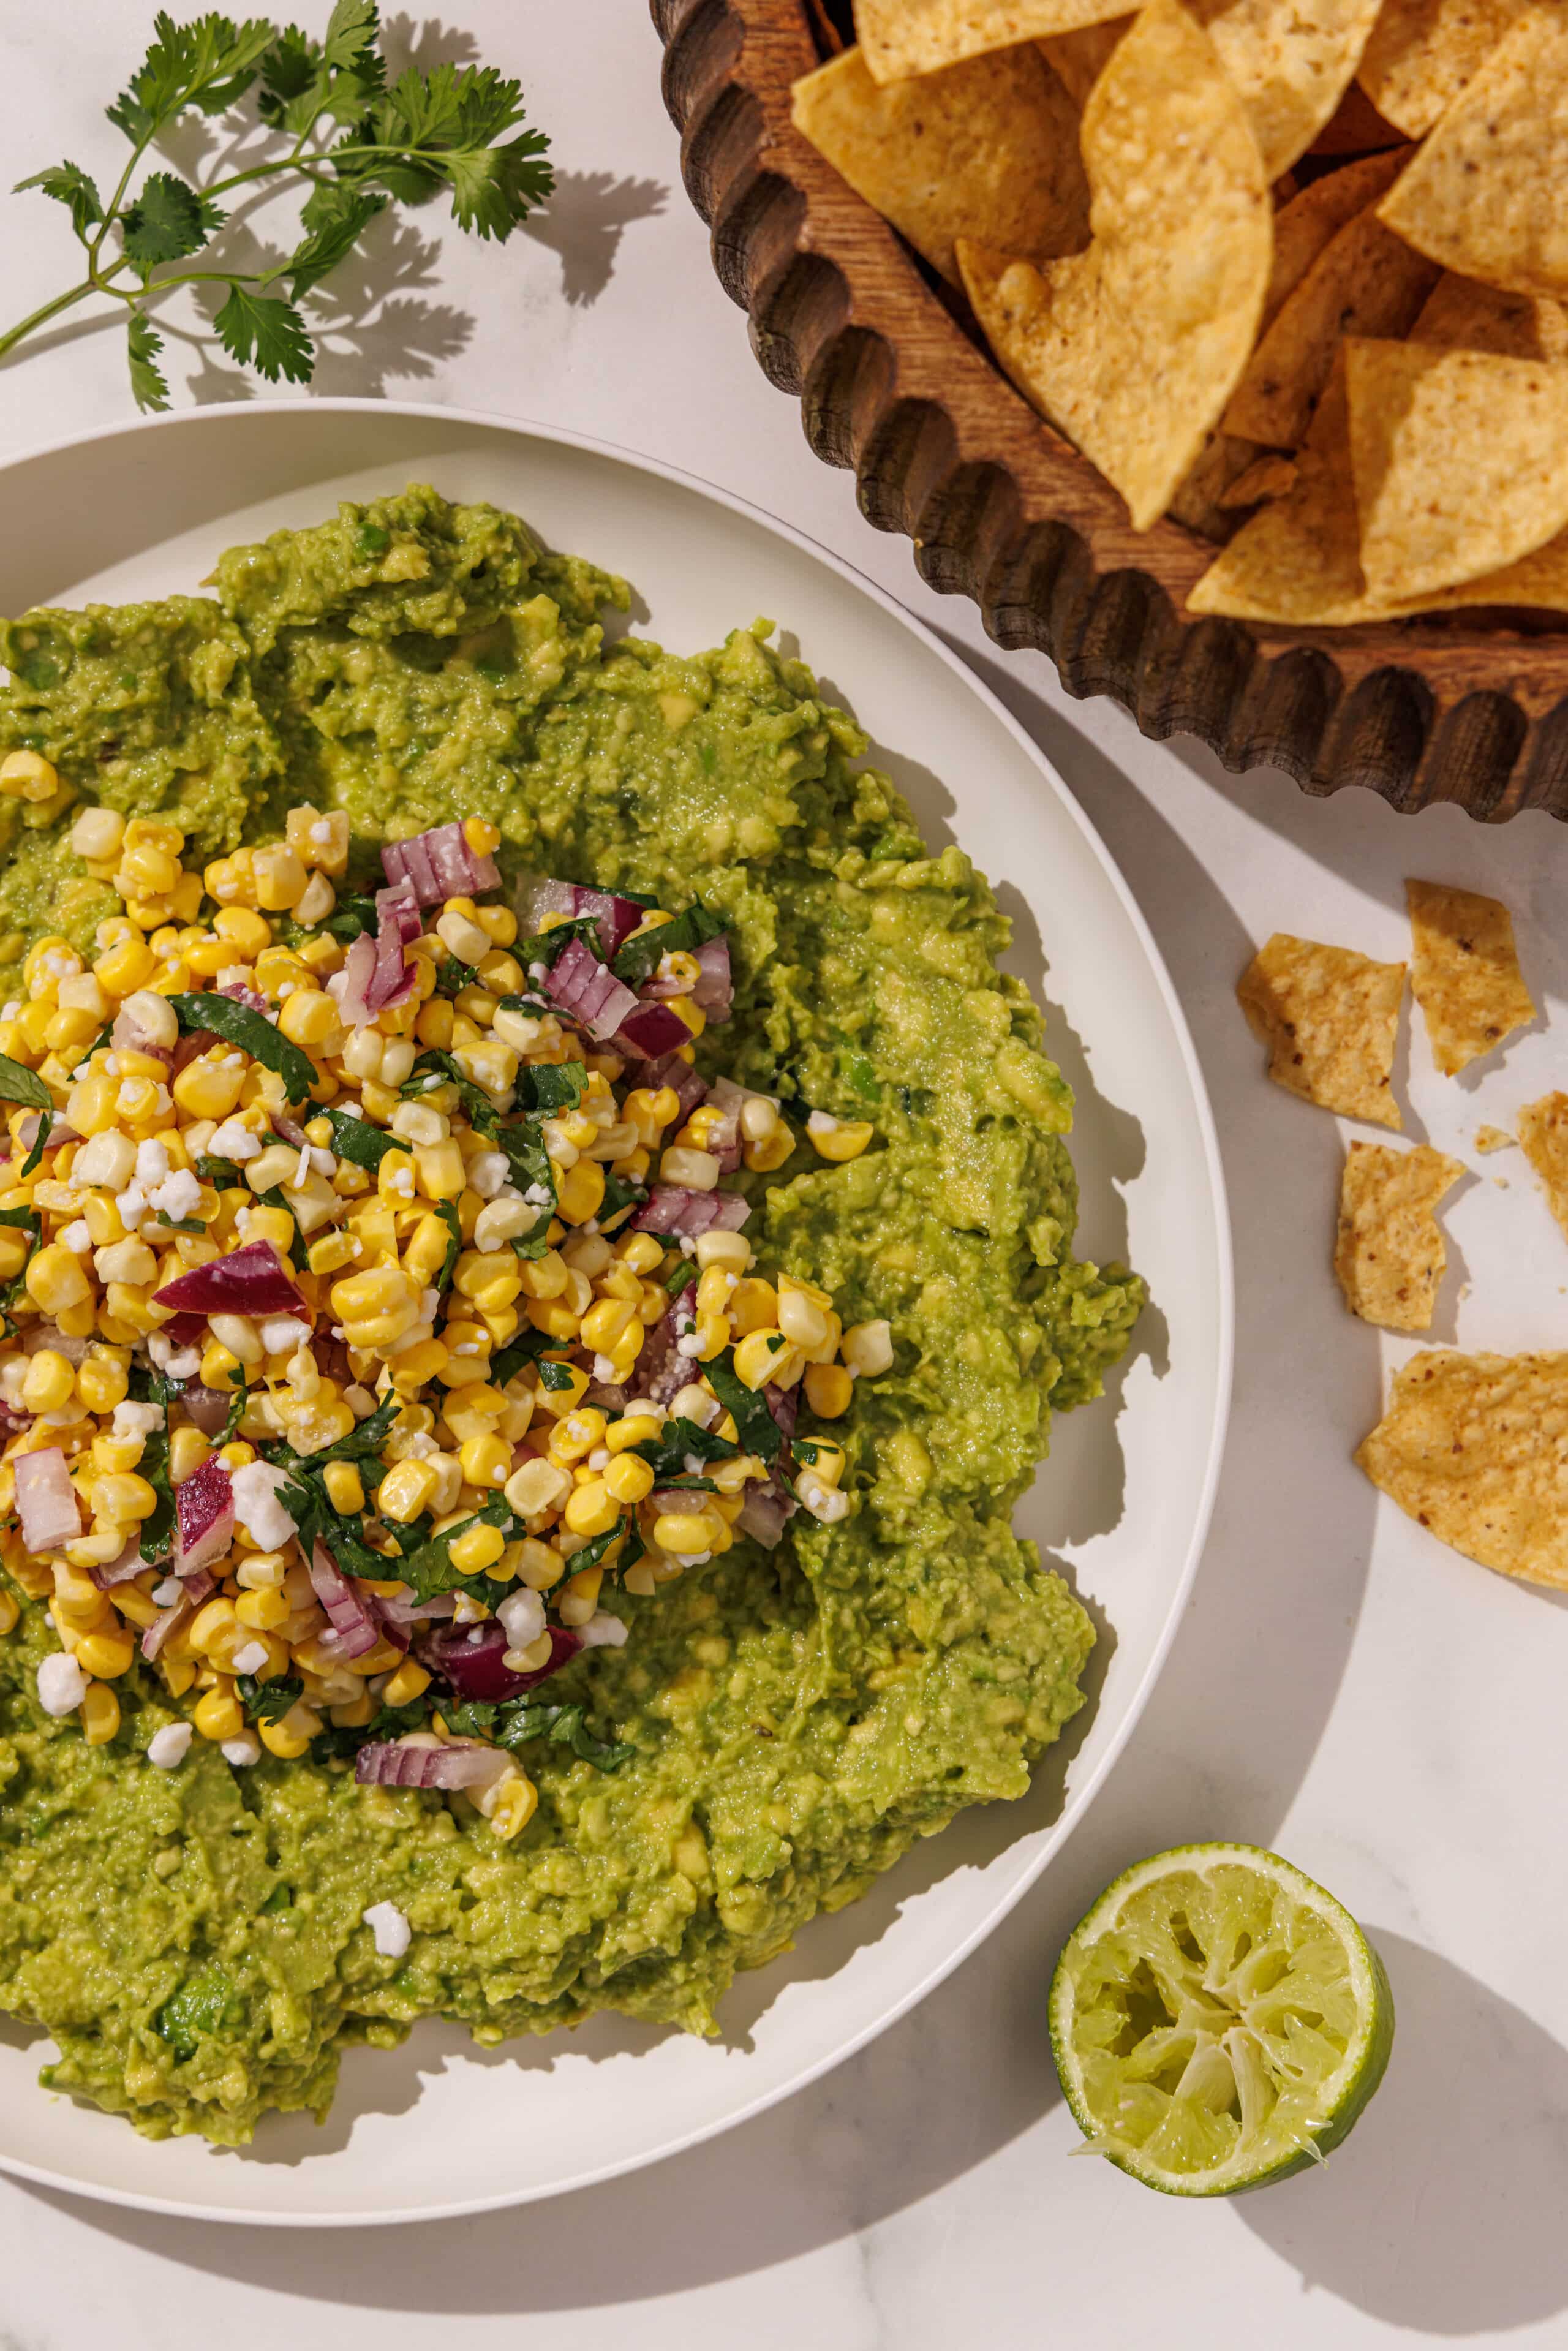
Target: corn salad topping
x=343, y=1429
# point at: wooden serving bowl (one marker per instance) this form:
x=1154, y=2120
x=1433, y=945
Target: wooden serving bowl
x=894, y=383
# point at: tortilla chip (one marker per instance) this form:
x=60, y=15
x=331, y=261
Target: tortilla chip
x=1422, y=52
x=1078, y=59
x=1460, y=462
x=1460, y=314
x=901, y=37
x=1463, y=972
x=1330, y=1018
x=1389, y=1252
x=1366, y=281
x=1292, y=60
x=1132, y=348
x=1306, y=225
x=1203, y=500
x=1475, y=1449
x=1484, y=196
x=1543, y=1132
x=1269, y=476
x=1494, y=1138
x=987, y=149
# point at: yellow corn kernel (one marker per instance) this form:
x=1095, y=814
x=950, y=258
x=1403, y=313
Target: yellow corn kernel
x=134, y=1605
x=382, y=1290
x=591, y=1508
x=48, y=1382
x=331, y=1252
x=510, y=1804
x=800, y=1319
x=345, y=1486
x=480, y=1548
x=212, y=1623
x=771, y=1152
x=311, y=1017
x=188, y=1448
x=291, y=1737
x=838, y=1139
x=604, y=1323
x=629, y=1479
x=100, y=1712
x=106, y=1655
x=54, y=1280
x=867, y=1348
x=554, y=1318
x=122, y=1497
x=637, y=1428
x=759, y=1355
x=714, y=1290
x=206, y=1089
x=425, y=1252
x=581, y=1192
x=102, y=1380
x=545, y=1277
x=754, y=1306
x=829, y=1391
x=27, y=775
x=579, y=1595
x=535, y=1486
x=417, y=1366
x=10, y=1610
x=439, y=1169
x=405, y=1489
x=219, y=1715
x=356, y=1714
x=218, y=1367
x=577, y=1434
x=264, y=1611
x=486, y=1460
x=685, y=1531
x=409, y=1682
x=280, y=877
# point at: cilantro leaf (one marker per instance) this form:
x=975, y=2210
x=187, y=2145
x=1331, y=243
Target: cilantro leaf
x=544, y=946
x=268, y=1701
x=158, y=1531
x=680, y=1275
x=361, y=1444
x=288, y=70
x=754, y=1425
x=525, y=1719
x=351, y=27
x=167, y=221
x=640, y=957
x=252, y=1033
x=206, y=64
x=264, y=328
x=356, y=1139
x=667, y=1454
x=69, y=184
x=447, y=1212
x=552, y=1085
x=526, y=1350
x=430, y=1570
x=20, y=1084
x=335, y=219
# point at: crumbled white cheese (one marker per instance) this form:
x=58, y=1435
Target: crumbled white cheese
x=167, y=1749
x=234, y=1141
x=258, y=1507
x=151, y=1164
x=77, y=1238
x=522, y=1613
x=168, y=1591
x=603, y=1631
x=392, y=1930
x=487, y=1173
x=241, y=1751
x=137, y=1419
x=62, y=1685
x=250, y=1659
x=281, y=1334
x=178, y=1196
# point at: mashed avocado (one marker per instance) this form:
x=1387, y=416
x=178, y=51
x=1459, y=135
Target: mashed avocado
x=195, y=1940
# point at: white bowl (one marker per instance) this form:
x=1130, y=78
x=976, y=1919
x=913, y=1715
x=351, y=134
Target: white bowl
x=440, y=2127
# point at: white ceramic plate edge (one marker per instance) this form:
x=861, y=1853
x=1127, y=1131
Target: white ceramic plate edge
x=1083, y=1795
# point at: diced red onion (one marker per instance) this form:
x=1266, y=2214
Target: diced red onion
x=348, y=988
x=43, y=1334
x=651, y=1029
x=713, y=992
x=241, y=994
x=121, y=1569
x=59, y=1131
x=385, y=1763
x=392, y=1609
x=192, y=1044
x=397, y=928
x=765, y=1511
x=473, y=1665
x=184, y=1330
x=537, y=898
x=288, y=1128
x=332, y=1358
x=440, y=864
x=676, y=1498
x=353, y=1621
x=589, y=991
x=249, y=1281
x=204, y=1504
x=675, y=1071
x=207, y=1407
x=672, y=1208
x=784, y=1403
x=13, y=1419
x=661, y=1370
x=46, y=1499
x=200, y=1587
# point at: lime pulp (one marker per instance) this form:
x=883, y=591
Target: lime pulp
x=1219, y=2021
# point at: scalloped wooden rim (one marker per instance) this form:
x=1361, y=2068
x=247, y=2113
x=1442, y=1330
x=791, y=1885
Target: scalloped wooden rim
x=1001, y=509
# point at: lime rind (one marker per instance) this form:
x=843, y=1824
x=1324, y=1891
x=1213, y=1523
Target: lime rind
x=1219, y=2021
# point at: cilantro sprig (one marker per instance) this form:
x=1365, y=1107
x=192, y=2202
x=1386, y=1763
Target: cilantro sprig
x=332, y=127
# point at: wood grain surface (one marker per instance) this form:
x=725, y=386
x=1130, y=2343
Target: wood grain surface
x=893, y=384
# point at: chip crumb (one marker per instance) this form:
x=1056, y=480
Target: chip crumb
x=1495, y=1138
x=1463, y=972
x=1330, y=1018
x=1475, y=1449
x=1543, y=1137
x=1389, y=1252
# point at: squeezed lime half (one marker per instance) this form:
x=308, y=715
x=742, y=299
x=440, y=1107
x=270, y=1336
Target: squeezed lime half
x=1219, y=2021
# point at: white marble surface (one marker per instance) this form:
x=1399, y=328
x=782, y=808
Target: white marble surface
x=1388, y=1715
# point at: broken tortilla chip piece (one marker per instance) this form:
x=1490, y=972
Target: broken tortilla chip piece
x=1366, y=281
x=1272, y=475
x=1133, y=348
x=1494, y=1138
x=1475, y=1449
x=987, y=149
x=1459, y=459
x=1460, y=314
x=1463, y=972
x=1422, y=52
x=1330, y=1018
x=1078, y=59
x=1544, y=1134
x=1291, y=60
x=1314, y=216
x=1389, y=1252
x=901, y=37
x=1484, y=194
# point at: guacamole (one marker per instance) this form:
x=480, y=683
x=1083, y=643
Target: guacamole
x=196, y=1939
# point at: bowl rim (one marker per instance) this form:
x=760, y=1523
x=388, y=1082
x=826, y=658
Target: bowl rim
x=225, y=417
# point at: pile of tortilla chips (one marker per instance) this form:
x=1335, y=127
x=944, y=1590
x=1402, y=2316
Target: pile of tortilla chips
x=1299, y=263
